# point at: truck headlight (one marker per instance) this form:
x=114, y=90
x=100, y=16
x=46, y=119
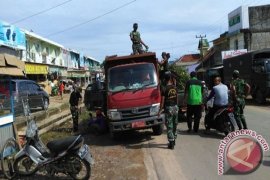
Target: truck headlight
x=113, y=114
x=154, y=109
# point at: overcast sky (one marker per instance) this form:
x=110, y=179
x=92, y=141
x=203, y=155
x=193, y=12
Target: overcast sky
x=170, y=25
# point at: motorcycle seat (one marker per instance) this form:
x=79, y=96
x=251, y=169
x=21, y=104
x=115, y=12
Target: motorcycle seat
x=61, y=145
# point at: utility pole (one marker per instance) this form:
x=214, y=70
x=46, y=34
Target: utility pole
x=201, y=51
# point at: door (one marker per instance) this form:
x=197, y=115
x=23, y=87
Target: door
x=36, y=95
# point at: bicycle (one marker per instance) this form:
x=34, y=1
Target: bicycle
x=8, y=152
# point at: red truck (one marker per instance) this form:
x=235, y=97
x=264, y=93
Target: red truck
x=133, y=93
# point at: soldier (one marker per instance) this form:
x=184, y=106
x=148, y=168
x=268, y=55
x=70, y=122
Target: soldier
x=239, y=90
x=169, y=102
x=74, y=99
x=136, y=40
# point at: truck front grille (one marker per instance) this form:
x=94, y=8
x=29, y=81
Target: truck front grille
x=135, y=113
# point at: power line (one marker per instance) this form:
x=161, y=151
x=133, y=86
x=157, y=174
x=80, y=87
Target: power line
x=97, y=17
x=38, y=13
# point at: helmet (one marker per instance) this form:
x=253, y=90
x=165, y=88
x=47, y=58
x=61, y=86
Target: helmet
x=235, y=74
x=167, y=75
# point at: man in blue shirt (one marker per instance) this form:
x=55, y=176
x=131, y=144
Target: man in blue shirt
x=220, y=95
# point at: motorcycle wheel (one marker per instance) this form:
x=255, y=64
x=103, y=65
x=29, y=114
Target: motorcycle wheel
x=228, y=127
x=81, y=169
x=8, y=153
x=24, y=166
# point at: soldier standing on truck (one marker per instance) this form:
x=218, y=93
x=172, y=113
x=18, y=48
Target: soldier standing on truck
x=169, y=102
x=137, y=41
x=240, y=89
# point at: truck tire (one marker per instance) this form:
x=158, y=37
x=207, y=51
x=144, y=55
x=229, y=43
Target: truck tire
x=158, y=129
x=114, y=135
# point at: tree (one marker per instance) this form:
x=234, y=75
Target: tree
x=183, y=75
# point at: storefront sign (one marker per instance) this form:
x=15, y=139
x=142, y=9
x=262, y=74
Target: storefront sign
x=53, y=69
x=76, y=74
x=228, y=54
x=238, y=19
x=36, y=69
x=11, y=36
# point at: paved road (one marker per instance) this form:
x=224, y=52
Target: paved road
x=195, y=155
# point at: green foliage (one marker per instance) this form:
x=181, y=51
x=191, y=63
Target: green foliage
x=183, y=76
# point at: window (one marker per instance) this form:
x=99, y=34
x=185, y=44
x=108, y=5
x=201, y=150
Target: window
x=23, y=87
x=44, y=59
x=47, y=51
x=35, y=87
x=258, y=67
x=132, y=77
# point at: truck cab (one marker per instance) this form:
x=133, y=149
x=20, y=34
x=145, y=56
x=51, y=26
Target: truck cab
x=133, y=93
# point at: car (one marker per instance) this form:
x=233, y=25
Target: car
x=23, y=89
x=94, y=95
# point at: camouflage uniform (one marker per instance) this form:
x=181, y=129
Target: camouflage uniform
x=171, y=116
x=75, y=117
x=136, y=43
x=171, y=113
x=239, y=102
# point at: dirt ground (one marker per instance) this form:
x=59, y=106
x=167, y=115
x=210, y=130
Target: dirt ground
x=114, y=159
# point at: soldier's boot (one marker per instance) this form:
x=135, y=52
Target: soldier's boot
x=171, y=144
x=243, y=120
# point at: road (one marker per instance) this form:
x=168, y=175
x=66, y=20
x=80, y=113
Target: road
x=195, y=155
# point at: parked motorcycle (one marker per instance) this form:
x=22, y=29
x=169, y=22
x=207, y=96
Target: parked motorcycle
x=69, y=156
x=223, y=120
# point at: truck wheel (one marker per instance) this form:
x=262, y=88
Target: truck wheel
x=158, y=130
x=114, y=135
x=260, y=99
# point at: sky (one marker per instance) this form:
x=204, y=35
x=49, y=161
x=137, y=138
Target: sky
x=100, y=28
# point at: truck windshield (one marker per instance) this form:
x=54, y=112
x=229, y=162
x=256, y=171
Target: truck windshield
x=132, y=77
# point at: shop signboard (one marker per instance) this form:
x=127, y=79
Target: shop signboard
x=11, y=36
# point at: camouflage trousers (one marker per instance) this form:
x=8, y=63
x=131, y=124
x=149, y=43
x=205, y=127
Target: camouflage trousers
x=171, y=121
x=137, y=48
x=75, y=117
x=239, y=106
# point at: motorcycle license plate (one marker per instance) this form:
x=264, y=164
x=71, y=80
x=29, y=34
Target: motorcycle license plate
x=138, y=124
x=84, y=153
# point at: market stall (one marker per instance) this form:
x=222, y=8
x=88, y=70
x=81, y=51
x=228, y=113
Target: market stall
x=10, y=67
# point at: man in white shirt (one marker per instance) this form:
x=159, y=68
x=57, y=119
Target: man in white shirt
x=220, y=95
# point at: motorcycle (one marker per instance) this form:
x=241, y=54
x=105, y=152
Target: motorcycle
x=223, y=120
x=69, y=156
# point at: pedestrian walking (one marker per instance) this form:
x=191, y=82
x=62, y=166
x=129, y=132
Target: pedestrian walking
x=194, y=94
x=239, y=91
x=137, y=42
x=169, y=102
x=61, y=89
x=74, y=99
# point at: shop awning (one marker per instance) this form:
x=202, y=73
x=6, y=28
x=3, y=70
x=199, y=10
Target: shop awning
x=11, y=71
x=14, y=61
x=201, y=70
x=217, y=67
x=2, y=60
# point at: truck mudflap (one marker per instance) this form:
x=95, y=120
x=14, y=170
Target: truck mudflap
x=137, y=124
